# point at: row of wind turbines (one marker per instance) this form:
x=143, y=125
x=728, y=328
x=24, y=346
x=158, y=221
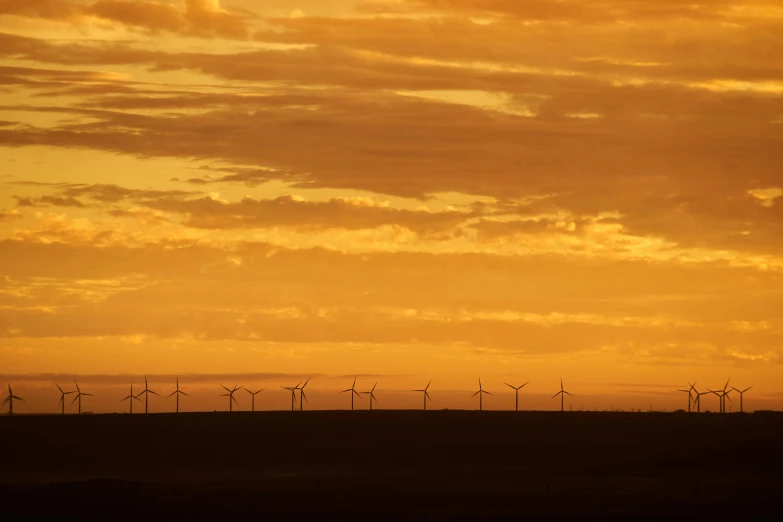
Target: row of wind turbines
x=694, y=396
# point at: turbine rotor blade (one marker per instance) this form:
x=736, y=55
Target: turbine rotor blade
x=475, y=394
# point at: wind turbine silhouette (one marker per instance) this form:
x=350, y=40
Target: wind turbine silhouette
x=230, y=396
x=690, y=398
x=177, y=392
x=353, y=391
x=131, y=398
x=697, y=400
x=62, y=398
x=146, y=392
x=293, y=394
x=516, y=392
x=480, y=393
x=742, y=393
x=303, y=395
x=10, y=401
x=562, y=394
x=722, y=394
x=426, y=394
x=371, y=393
x=253, y=399
x=79, y=394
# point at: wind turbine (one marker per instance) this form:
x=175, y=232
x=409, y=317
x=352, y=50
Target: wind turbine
x=562, y=394
x=146, y=392
x=293, y=394
x=371, y=393
x=690, y=398
x=131, y=398
x=722, y=394
x=516, y=392
x=62, y=398
x=426, y=394
x=303, y=395
x=79, y=394
x=741, y=392
x=480, y=393
x=177, y=392
x=697, y=400
x=353, y=391
x=10, y=401
x=253, y=400
x=230, y=396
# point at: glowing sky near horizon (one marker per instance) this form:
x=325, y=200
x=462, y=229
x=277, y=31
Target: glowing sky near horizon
x=400, y=189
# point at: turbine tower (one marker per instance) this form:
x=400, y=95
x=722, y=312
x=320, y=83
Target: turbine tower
x=303, y=395
x=426, y=394
x=353, y=391
x=131, y=398
x=10, y=401
x=293, y=389
x=371, y=393
x=146, y=392
x=253, y=398
x=516, y=392
x=177, y=392
x=741, y=392
x=62, y=398
x=562, y=393
x=480, y=394
x=230, y=396
x=79, y=395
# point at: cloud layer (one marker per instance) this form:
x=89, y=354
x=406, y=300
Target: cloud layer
x=456, y=185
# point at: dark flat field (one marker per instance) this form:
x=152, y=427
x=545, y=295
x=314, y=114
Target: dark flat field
x=393, y=465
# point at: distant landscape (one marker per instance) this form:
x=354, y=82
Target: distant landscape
x=450, y=464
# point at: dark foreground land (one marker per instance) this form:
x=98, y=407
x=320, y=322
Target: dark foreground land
x=392, y=465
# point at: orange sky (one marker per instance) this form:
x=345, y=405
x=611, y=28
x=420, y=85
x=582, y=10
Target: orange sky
x=257, y=191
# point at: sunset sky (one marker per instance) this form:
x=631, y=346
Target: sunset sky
x=255, y=191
